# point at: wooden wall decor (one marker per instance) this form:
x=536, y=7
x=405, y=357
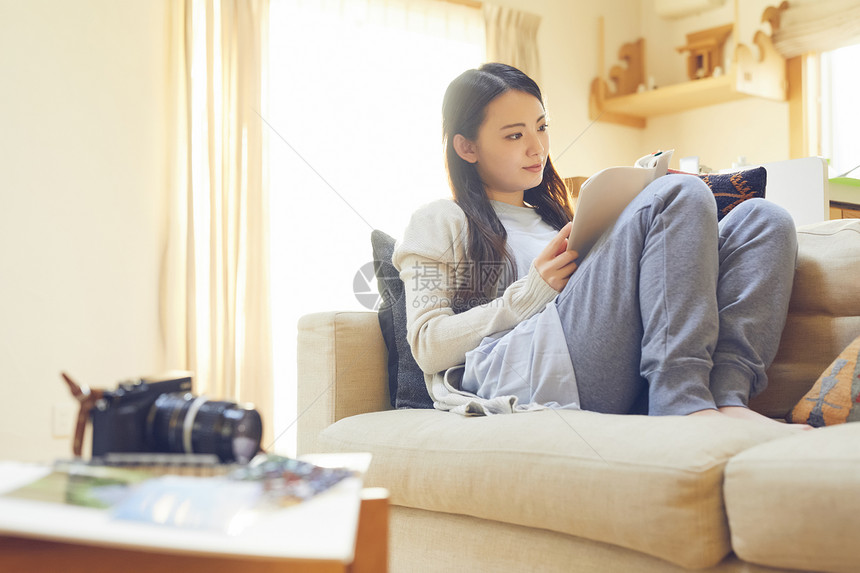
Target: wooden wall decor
x=748, y=75
x=764, y=76
x=597, y=109
x=628, y=78
x=623, y=77
x=773, y=15
x=705, y=49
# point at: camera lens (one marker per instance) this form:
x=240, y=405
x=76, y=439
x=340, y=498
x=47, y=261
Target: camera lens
x=182, y=423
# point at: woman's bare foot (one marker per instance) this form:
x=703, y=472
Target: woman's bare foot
x=742, y=413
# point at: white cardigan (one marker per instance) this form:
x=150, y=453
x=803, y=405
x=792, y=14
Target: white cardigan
x=433, y=245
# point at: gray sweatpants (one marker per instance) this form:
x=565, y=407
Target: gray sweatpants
x=672, y=313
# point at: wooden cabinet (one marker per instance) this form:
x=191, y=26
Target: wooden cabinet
x=844, y=210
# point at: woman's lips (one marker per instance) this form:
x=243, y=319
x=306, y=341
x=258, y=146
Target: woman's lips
x=536, y=168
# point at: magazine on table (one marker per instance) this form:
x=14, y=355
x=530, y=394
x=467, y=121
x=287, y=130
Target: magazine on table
x=225, y=502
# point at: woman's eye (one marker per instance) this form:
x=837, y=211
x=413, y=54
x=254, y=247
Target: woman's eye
x=544, y=127
x=515, y=136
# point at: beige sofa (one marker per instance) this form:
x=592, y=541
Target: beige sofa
x=580, y=491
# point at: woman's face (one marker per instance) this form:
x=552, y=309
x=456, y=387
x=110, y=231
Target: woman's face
x=512, y=146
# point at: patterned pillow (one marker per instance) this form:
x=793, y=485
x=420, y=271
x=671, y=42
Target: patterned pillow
x=834, y=397
x=406, y=385
x=732, y=189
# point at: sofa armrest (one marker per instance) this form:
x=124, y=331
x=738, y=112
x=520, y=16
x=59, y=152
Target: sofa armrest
x=342, y=371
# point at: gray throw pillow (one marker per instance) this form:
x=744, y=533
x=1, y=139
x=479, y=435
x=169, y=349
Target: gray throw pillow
x=406, y=385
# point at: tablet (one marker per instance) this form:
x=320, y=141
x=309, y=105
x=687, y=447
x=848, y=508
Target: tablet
x=605, y=194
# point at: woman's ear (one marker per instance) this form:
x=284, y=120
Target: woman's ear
x=465, y=148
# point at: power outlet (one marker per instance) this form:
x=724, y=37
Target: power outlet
x=63, y=418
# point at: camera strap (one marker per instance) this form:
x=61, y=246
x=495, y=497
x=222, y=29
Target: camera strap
x=87, y=398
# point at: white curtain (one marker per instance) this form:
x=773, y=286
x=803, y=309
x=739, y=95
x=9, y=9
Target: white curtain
x=817, y=26
x=512, y=38
x=356, y=92
x=215, y=285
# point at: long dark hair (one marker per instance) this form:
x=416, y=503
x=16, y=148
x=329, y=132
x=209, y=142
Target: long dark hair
x=463, y=112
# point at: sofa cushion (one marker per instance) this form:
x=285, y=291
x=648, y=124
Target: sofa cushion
x=651, y=484
x=792, y=502
x=823, y=314
x=834, y=397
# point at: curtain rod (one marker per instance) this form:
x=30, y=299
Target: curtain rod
x=468, y=3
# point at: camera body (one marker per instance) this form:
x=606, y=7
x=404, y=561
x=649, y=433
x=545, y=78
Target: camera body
x=160, y=414
x=120, y=417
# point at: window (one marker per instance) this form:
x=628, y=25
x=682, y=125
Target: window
x=355, y=98
x=840, y=118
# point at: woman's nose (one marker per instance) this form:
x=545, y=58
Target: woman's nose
x=536, y=146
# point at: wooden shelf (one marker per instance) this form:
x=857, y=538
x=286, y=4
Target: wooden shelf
x=760, y=74
x=675, y=98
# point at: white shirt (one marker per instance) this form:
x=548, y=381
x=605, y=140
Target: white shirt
x=531, y=361
x=528, y=234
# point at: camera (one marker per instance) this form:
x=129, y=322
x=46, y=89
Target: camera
x=160, y=414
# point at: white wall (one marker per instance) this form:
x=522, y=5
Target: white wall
x=82, y=181
x=754, y=128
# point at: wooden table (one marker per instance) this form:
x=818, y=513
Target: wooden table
x=89, y=549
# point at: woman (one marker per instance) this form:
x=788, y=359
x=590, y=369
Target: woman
x=670, y=313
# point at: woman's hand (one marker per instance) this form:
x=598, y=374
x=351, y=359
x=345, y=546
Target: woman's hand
x=555, y=264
